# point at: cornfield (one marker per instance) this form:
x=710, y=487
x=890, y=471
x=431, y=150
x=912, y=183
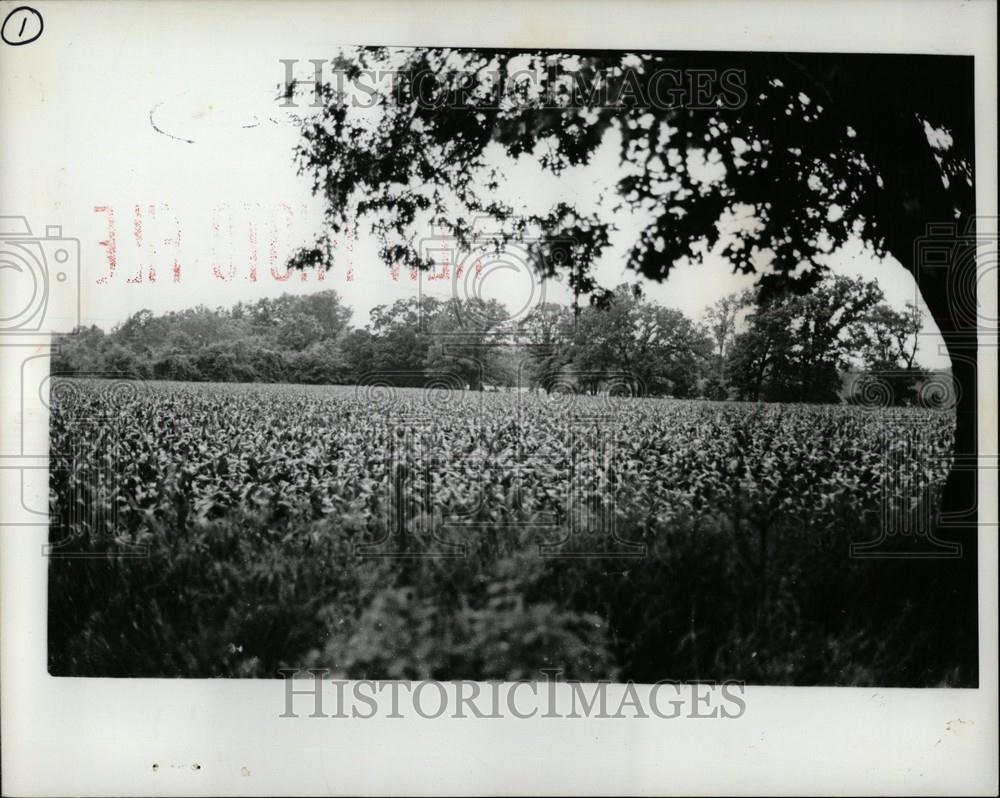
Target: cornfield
x=232, y=530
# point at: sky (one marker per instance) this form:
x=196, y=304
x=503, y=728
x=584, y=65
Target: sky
x=192, y=166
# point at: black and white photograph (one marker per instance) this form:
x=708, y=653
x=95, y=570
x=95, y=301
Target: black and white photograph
x=547, y=365
x=675, y=392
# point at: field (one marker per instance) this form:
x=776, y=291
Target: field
x=231, y=530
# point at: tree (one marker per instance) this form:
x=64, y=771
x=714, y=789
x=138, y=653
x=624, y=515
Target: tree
x=546, y=335
x=795, y=347
x=720, y=319
x=217, y=363
x=886, y=341
x=813, y=148
x=888, y=338
x=121, y=361
x=326, y=307
x=252, y=342
x=140, y=332
x=176, y=366
x=198, y=327
x=82, y=352
x=359, y=352
x=298, y=331
x=720, y=323
x=761, y=351
x=400, y=338
x=321, y=364
x=627, y=339
x=460, y=342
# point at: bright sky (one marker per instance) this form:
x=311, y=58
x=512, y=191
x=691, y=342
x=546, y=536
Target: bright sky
x=233, y=198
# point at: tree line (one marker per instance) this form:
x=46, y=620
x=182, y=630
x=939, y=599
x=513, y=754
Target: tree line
x=755, y=345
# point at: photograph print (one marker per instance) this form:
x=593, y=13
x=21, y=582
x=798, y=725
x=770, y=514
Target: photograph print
x=620, y=365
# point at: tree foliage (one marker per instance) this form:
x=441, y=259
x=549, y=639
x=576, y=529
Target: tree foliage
x=816, y=149
x=795, y=347
x=283, y=339
x=752, y=346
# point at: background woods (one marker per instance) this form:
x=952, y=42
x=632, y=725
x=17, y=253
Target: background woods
x=753, y=346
